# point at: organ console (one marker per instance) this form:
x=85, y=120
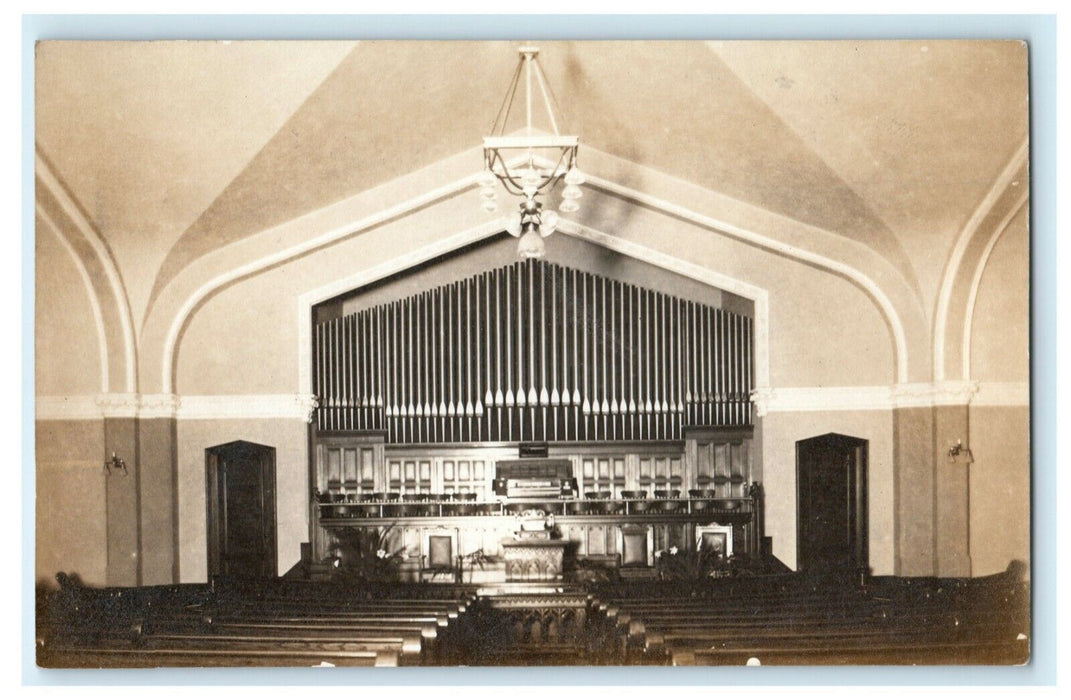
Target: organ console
x=633, y=397
x=528, y=479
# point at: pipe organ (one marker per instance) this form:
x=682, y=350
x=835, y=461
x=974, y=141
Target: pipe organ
x=640, y=401
x=534, y=351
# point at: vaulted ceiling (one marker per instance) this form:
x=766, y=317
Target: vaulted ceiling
x=175, y=149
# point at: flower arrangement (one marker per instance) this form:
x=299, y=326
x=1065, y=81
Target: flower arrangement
x=673, y=564
x=364, y=555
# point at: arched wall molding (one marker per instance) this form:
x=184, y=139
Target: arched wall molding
x=316, y=242
x=91, y=292
x=67, y=203
x=952, y=274
x=340, y=232
x=407, y=260
x=310, y=298
x=857, y=277
x=757, y=295
x=976, y=280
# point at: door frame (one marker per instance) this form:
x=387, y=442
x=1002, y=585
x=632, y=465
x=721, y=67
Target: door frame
x=213, y=519
x=858, y=500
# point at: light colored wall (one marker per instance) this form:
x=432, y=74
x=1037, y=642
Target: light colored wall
x=71, y=525
x=290, y=440
x=66, y=346
x=1000, y=435
x=999, y=487
x=243, y=339
x=781, y=431
x=824, y=330
x=1000, y=338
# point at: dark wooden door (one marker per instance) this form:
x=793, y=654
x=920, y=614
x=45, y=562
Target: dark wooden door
x=831, y=515
x=241, y=510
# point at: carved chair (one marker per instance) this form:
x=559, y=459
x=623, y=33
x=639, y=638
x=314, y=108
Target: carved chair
x=635, y=547
x=440, y=555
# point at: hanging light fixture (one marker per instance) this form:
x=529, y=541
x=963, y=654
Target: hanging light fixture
x=530, y=165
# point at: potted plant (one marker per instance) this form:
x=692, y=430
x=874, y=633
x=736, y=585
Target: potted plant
x=364, y=555
x=676, y=564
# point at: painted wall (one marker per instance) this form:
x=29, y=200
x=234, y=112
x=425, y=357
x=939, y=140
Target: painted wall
x=1000, y=338
x=289, y=438
x=824, y=330
x=999, y=487
x=781, y=431
x=66, y=349
x=71, y=532
x=70, y=508
x=1000, y=435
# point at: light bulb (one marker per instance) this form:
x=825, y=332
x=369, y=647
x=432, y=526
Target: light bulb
x=549, y=222
x=490, y=205
x=569, y=206
x=486, y=179
x=573, y=177
x=513, y=226
x=531, y=244
x=572, y=192
x=488, y=193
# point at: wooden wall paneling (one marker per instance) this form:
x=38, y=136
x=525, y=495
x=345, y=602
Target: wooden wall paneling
x=632, y=470
x=412, y=538
x=676, y=473
x=334, y=470
x=367, y=474
x=349, y=469
x=720, y=469
x=424, y=468
x=595, y=543
x=739, y=471
x=394, y=475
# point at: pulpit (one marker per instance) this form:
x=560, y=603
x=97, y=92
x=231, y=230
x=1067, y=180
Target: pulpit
x=533, y=559
x=533, y=554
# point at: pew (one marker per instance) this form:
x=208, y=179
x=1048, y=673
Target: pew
x=782, y=619
x=242, y=624
x=795, y=621
x=126, y=657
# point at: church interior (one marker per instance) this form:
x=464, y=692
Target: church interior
x=388, y=353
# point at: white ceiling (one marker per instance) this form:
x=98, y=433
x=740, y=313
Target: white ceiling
x=146, y=135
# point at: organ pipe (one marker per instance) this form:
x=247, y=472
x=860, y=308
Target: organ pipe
x=533, y=351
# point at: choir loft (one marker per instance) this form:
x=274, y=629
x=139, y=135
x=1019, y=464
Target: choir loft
x=738, y=371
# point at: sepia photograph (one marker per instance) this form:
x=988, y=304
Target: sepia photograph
x=532, y=353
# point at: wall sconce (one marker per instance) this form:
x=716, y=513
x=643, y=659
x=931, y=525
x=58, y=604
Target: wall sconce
x=116, y=463
x=960, y=453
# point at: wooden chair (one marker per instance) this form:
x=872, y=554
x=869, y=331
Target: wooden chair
x=440, y=555
x=635, y=545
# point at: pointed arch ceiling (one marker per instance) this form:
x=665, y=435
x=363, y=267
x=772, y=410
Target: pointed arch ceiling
x=180, y=149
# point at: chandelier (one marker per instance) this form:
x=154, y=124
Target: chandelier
x=530, y=164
